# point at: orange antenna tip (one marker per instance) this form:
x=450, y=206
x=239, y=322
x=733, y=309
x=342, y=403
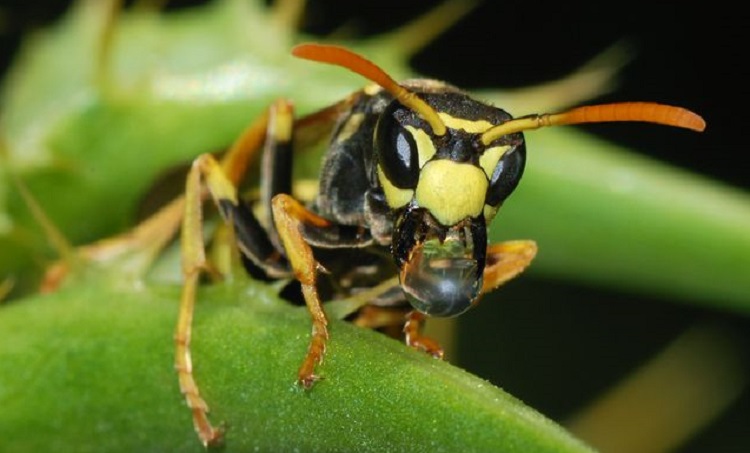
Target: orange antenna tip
x=647, y=112
x=343, y=57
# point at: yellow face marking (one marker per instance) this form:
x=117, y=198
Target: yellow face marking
x=425, y=147
x=350, y=127
x=491, y=156
x=394, y=196
x=472, y=127
x=451, y=191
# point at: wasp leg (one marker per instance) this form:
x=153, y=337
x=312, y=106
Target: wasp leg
x=221, y=180
x=150, y=236
x=260, y=245
x=193, y=262
x=414, y=338
x=390, y=320
x=290, y=217
x=276, y=164
x=251, y=242
x=375, y=317
x=506, y=260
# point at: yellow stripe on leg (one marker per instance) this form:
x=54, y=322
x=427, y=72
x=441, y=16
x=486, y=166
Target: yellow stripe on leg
x=219, y=185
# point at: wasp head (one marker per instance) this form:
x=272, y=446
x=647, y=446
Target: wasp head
x=443, y=191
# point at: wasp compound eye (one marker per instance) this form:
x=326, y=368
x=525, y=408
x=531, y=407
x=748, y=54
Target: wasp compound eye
x=442, y=279
x=506, y=176
x=397, y=150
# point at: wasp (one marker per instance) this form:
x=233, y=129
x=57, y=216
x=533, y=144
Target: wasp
x=412, y=178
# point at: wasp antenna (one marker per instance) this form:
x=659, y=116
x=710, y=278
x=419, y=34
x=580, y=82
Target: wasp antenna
x=648, y=112
x=343, y=57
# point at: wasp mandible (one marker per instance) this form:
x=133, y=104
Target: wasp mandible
x=412, y=178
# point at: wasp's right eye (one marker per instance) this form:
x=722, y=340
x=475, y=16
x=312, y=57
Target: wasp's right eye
x=397, y=150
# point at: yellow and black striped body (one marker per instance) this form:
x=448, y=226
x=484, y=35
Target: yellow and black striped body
x=386, y=172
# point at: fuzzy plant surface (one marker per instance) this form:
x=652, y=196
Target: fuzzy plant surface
x=95, y=374
x=101, y=106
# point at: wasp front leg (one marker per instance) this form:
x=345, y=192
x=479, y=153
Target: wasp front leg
x=414, y=338
x=290, y=216
x=506, y=260
x=300, y=229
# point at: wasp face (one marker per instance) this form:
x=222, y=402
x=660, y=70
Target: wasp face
x=443, y=191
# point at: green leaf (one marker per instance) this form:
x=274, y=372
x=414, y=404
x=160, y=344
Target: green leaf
x=91, y=369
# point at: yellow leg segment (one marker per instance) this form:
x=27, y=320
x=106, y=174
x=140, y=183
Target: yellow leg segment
x=193, y=262
x=289, y=216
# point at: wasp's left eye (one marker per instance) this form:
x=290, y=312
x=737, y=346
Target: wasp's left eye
x=397, y=151
x=506, y=176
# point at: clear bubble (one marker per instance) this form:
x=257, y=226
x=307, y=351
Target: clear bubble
x=441, y=279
